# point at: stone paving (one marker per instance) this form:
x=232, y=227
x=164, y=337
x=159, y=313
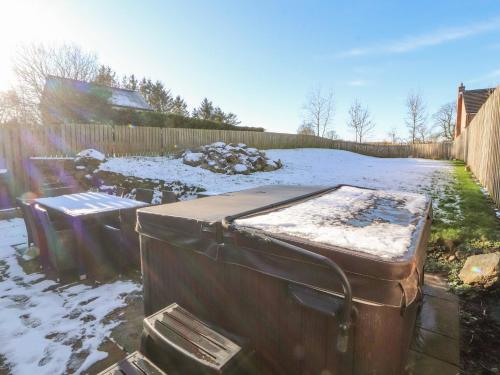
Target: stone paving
x=435, y=348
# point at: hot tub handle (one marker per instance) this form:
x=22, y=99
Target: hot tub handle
x=345, y=319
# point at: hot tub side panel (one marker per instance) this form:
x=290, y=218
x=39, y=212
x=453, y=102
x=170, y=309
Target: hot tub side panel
x=289, y=338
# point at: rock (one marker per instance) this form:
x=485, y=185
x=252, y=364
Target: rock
x=451, y=258
x=481, y=269
x=231, y=158
x=192, y=158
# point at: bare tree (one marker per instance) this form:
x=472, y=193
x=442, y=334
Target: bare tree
x=444, y=120
x=319, y=111
x=34, y=62
x=331, y=134
x=359, y=121
x=416, y=117
x=13, y=107
x=306, y=129
x=393, y=136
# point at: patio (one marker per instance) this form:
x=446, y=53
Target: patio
x=86, y=326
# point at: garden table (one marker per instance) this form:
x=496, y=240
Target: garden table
x=81, y=208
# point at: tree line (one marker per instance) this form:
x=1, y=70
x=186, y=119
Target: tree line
x=35, y=62
x=318, y=114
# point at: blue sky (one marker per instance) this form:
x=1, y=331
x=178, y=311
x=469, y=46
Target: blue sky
x=259, y=59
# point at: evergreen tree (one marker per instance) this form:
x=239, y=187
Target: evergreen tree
x=106, y=76
x=156, y=95
x=205, y=111
x=179, y=107
x=130, y=83
x=231, y=119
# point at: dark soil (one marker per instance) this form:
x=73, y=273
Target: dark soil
x=480, y=332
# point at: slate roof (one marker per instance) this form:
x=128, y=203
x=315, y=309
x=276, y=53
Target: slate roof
x=474, y=99
x=119, y=97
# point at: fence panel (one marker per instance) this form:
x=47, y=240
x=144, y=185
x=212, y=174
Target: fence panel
x=479, y=145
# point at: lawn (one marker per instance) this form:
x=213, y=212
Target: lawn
x=465, y=223
x=300, y=167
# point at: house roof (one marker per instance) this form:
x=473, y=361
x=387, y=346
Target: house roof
x=119, y=97
x=474, y=99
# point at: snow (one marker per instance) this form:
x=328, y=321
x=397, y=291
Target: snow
x=193, y=157
x=218, y=145
x=88, y=203
x=3, y=171
x=48, y=328
x=91, y=154
x=80, y=167
x=380, y=223
x=240, y=168
x=300, y=167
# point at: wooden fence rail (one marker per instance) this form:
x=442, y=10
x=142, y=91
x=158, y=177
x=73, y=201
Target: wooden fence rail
x=19, y=143
x=479, y=145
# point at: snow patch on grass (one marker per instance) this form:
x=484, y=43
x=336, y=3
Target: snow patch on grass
x=300, y=167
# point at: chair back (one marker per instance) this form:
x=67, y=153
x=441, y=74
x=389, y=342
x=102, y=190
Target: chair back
x=29, y=220
x=59, y=190
x=120, y=191
x=144, y=195
x=168, y=197
x=60, y=251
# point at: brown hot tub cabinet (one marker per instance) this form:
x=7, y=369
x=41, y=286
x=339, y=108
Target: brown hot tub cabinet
x=306, y=307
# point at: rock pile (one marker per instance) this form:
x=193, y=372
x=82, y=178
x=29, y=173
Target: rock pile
x=89, y=159
x=231, y=158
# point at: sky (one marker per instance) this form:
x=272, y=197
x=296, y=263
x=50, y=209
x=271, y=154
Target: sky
x=260, y=59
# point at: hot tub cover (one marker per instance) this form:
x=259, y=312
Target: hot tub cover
x=381, y=223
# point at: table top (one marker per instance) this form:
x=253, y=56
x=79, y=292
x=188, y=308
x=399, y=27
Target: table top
x=88, y=204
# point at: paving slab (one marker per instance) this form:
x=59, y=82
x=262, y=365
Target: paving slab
x=436, y=348
x=422, y=364
x=435, y=285
x=440, y=316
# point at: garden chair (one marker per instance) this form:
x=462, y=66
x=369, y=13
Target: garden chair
x=61, y=250
x=144, y=195
x=57, y=190
x=120, y=191
x=168, y=197
x=113, y=241
x=29, y=220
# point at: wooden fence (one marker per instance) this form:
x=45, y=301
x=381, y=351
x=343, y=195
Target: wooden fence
x=479, y=145
x=19, y=143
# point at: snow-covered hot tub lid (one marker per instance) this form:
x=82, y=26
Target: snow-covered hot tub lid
x=380, y=223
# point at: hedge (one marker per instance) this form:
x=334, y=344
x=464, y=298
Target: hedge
x=170, y=120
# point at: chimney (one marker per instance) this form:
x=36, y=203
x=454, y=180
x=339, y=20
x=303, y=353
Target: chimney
x=458, y=124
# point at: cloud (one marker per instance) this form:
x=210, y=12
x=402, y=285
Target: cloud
x=434, y=38
x=358, y=83
x=486, y=78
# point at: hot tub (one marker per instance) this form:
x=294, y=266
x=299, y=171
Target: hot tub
x=319, y=280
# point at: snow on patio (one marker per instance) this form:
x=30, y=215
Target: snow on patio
x=300, y=167
x=45, y=327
